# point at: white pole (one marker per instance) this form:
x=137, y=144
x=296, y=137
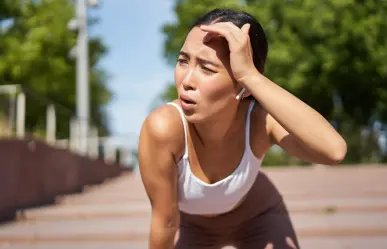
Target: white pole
x=109, y=153
x=12, y=113
x=74, y=131
x=93, y=143
x=20, y=115
x=51, y=124
x=82, y=74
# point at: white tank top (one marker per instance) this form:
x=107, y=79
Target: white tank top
x=198, y=197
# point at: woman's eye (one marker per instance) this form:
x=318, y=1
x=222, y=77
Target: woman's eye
x=208, y=70
x=182, y=61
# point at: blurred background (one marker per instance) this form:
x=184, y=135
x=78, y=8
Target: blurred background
x=77, y=79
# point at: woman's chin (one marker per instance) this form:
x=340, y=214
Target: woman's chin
x=199, y=118
x=198, y=115
x=194, y=117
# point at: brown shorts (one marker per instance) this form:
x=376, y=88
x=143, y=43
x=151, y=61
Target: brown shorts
x=261, y=221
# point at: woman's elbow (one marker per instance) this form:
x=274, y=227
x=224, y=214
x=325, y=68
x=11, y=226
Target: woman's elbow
x=163, y=231
x=170, y=222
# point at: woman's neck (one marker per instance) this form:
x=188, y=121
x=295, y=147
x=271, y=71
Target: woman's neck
x=222, y=128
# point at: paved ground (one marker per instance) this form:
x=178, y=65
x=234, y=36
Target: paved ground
x=335, y=208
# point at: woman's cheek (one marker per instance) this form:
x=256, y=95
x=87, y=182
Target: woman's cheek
x=216, y=90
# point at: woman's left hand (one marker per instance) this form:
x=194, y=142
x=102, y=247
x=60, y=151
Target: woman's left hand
x=241, y=54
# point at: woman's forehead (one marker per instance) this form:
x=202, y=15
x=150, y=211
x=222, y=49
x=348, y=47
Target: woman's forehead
x=216, y=48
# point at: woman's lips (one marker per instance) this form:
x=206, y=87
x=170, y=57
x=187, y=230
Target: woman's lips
x=187, y=102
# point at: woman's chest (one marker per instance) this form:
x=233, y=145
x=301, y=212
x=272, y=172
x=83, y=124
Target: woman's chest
x=211, y=165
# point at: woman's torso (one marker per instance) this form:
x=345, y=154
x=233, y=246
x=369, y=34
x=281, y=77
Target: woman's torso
x=209, y=167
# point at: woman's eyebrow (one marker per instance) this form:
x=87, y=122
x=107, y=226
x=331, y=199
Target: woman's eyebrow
x=204, y=61
x=201, y=60
x=184, y=54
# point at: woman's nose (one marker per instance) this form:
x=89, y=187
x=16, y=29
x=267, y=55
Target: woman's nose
x=188, y=81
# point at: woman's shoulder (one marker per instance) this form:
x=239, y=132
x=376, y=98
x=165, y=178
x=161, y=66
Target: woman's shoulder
x=164, y=126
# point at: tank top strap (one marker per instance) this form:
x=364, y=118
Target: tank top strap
x=251, y=106
x=184, y=126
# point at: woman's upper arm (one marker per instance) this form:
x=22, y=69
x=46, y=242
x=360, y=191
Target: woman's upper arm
x=158, y=169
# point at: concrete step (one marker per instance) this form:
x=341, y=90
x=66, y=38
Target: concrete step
x=335, y=208
x=134, y=228
x=309, y=243
x=77, y=245
x=142, y=207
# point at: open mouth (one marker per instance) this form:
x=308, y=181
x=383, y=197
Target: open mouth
x=187, y=100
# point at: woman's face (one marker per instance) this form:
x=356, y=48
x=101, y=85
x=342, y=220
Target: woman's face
x=203, y=78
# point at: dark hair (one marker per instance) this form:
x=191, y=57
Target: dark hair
x=239, y=18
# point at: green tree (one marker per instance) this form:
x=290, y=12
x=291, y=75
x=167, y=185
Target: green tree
x=9, y=9
x=34, y=52
x=331, y=54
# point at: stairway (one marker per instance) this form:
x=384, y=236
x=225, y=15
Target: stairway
x=331, y=207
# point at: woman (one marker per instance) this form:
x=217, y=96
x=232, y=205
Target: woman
x=200, y=156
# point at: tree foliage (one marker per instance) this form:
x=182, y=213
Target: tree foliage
x=34, y=52
x=330, y=54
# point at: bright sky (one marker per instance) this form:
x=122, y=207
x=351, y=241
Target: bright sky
x=132, y=31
